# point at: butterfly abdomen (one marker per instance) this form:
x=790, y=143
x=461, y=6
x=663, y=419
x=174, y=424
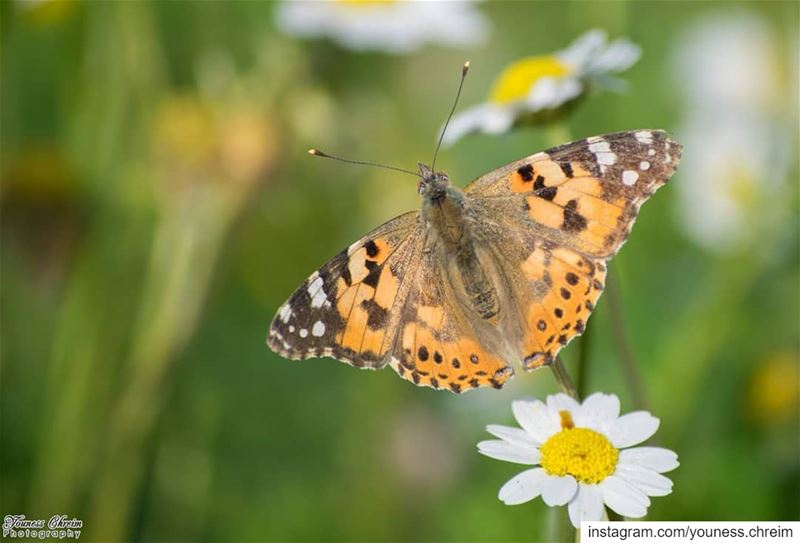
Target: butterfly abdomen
x=480, y=290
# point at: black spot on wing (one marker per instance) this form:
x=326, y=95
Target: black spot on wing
x=372, y=248
x=546, y=193
x=374, y=273
x=526, y=172
x=377, y=316
x=573, y=221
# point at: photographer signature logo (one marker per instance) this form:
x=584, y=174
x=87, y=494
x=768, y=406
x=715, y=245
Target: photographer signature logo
x=57, y=527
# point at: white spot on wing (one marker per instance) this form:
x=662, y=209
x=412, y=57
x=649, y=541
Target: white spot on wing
x=318, y=329
x=303, y=333
x=600, y=146
x=644, y=136
x=629, y=177
x=285, y=313
x=606, y=158
x=317, y=293
x=644, y=165
x=651, y=152
x=602, y=150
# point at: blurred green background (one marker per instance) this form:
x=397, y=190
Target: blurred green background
x=158, y=205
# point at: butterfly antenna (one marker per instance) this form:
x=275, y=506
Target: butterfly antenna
x=317, y=152
x=464, y=71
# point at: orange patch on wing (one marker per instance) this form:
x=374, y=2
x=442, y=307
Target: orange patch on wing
x=533, y=267
x=576, y=284
x=544, y=212
x=595, y=210
x=590, y=186
x=345, y=302
x=430, y=315
x=357, y=322
x=454, y=365
x=387, y=287
x=550, y=170
x=523, y=178
x=373, y=341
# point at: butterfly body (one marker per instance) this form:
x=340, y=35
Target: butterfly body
x=450, y=218
x=507, y=270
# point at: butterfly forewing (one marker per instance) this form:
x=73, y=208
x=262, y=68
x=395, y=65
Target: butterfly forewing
x=343, y=310
x=585, y=194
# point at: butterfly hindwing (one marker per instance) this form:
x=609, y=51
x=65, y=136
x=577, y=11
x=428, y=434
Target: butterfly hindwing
x=344, y=309
x=437, y=345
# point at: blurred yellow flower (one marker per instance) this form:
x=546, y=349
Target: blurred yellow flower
x=774, y=395
x=538, y=89
x=47, y=12
x=185, y=132
x=198, y=141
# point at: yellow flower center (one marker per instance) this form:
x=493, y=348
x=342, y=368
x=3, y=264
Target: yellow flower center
x=583, y=453
x=516, y=81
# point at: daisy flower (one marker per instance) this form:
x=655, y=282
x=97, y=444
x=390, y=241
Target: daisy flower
x=388, y=26
x=728, y=70
x=585, y=456
x=537, y=88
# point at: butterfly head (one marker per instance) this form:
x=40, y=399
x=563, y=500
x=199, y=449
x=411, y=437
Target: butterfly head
x=433, y=185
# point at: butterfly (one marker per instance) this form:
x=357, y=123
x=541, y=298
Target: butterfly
x=507, y=269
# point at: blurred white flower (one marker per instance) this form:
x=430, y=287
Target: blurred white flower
x=390, y=26
x=584, y=456
x=737, y=156
x=538, y=86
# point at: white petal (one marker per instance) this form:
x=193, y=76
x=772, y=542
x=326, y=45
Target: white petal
x=624, y=498
x=632, y=429
x=646, y=480
x=485, y=117
x=502, y=450
x=522, y=487
x=655, y=458
x=597, y=412
x=618, y=56
x=515, y=436
x=498, y=120
x=558, y=490
x=560, y=402
x=583, y=49
x=536, y=419
x=586, y=505
x=551, y=92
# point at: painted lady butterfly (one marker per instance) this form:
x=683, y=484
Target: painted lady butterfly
x=509, y=268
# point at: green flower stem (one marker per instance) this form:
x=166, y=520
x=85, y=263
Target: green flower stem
x=187, y=243
x=563, y=379
x=627, y=359
x=583, y=362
